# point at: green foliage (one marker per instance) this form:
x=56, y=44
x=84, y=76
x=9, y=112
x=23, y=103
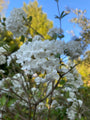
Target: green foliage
x=22, y=38
x=3, y=101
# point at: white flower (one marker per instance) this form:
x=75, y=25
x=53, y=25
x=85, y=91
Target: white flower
x=2, y=59
x=54, y=102
x=41, y=106
x=69, y=99
x=34, y=90
x=37, y=37
x=52, y=76
x=72, y=94
x=54, y=31
x=15, y=22
x=35, y=75
x=71, y=114
x=2, y=71
x=80, y=102
x=2, y=50
x=74, y=49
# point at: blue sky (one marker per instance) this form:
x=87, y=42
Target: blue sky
x=50, y=8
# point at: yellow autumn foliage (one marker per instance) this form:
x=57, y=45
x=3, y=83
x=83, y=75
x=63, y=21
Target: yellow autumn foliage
x=39, y=19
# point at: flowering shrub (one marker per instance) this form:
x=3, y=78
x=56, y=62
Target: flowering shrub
x=40, y=84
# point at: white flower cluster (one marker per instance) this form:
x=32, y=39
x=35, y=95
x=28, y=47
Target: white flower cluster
x=74, y=49
x=2, y=56
x=74, y=81
x=15, y=22
x=40, y=56
x=54, y=31
x=17, y=81
x=72, y=111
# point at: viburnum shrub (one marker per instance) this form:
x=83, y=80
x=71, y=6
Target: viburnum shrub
x=40, y=80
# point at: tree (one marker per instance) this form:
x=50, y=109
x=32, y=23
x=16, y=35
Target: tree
x=3, y=4
x=84, y=24
x=84, y=66
x=39, y=22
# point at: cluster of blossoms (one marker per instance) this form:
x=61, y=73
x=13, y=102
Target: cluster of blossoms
x=15, y=22
x=2, y=56
x=39, y=56
x=74, y=81
x=74, y=49
x=54, y=31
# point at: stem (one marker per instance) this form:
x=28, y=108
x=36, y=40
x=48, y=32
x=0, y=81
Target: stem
x=59, y=16
x=29, y=112
x=50, y=102
x=34, y=112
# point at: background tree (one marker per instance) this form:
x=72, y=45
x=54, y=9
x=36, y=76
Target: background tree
x=39, y=22
x=3, y=5
x=84, y=24
x=84, y=67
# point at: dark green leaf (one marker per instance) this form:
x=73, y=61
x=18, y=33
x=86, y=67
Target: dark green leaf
x=22, y=38
x=4, y=19
x=62, y=13
x=30, y=39
x=30, y=18
x=3, y=24
x=62, y=82
x=57, y=17
x=61, y=36
x=10, y=102
x=3, y=100
x=24, y=18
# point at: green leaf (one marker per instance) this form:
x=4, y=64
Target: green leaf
x=62, y=82
x=30, y=39
x=24, y=18
x=57, y=17
x=63, y=14
x=30, y=18
x=55, y=36
x=3, y=100
x=17, y=116
x=3, y=24
x=61, y=36
x=22, y=38
x=58, y=55
x=4, y=19
x=10, y=102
